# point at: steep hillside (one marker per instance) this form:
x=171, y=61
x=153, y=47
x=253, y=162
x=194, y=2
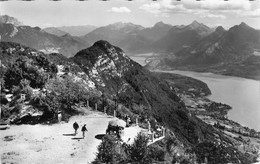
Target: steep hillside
x=41, y=40
x=139, y=89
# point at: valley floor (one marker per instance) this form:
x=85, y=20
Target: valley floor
x=56, y=143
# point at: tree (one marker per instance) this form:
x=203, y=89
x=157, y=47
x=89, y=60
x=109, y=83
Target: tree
x=23, y=68
x=215, y=153
x=156, y=153
x=22, y=88
x=49, y=104
x=139, y=150
x=110, y=150
x=69, y=91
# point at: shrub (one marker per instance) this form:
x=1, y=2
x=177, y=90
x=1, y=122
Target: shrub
x=215, y=153
x=5, y=111
x=3, y=100
x=139, y=150
x=182, y=114
x=21, y=69
x=156, y=153
x=110, y=151
x=17, y=108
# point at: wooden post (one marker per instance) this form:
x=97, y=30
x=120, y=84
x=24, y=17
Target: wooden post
x=96, y=106
x=59, y=116
x=206, y=160
x=87, y=104
x=163, y=130
x=149, y=126
x=22, y=98
x=105, y=109
x=114, y=113
x=136, y=121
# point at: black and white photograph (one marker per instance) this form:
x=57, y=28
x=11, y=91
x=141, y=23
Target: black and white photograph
x=130, y=81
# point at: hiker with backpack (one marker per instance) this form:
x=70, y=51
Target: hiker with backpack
x=75, y=126
x=84, y=129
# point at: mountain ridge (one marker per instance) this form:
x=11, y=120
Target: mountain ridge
x=228, y=52
x=41, y=40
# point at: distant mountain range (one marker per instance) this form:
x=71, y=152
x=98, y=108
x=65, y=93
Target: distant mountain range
x=190, y=47
x=162, y=37
x=124, y=35
x=37, y=38
x=179, y=37
x=233, y=52
x=132, y=38
x=72, y=30
x=55, y=31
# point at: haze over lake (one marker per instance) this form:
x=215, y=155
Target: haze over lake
x=243, y=95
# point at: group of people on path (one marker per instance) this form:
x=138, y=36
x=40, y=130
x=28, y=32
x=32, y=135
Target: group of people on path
x=83, y=129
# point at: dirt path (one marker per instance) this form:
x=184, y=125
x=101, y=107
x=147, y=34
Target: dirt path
x=53, y=144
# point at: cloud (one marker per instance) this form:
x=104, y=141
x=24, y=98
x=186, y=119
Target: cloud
x=47, y=25
x=218, y=4
x=120, y=10
x=154, y=8
x=164, y=6
x=199, y=7
x=213, y=16
x=253, y=13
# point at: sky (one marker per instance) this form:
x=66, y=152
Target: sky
x=44, y=13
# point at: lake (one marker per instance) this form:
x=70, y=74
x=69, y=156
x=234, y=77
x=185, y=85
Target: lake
x=243, y=95
x=141, y=58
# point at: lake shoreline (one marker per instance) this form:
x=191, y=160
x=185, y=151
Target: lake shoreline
x=205, y=71
x=226, y=89
x=214, y=113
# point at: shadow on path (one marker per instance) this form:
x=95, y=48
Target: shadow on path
x=100, y=136
x=77, y=138
x=72, y=134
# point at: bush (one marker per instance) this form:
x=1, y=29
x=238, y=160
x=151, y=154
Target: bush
x=17, y=109
x=21, y=69
x=182, y=114
x=139, y=150
x=156, y=153
x=5, y=111
x=3, y=100
x=215, y=153
x=110, y=151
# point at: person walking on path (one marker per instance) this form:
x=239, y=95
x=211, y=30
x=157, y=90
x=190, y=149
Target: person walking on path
x=84, y=129
x=75, y=126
